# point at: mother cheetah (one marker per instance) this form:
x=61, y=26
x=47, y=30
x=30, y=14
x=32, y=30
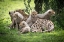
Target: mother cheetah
x=42, y=25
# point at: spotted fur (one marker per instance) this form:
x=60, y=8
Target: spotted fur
x=42, y=25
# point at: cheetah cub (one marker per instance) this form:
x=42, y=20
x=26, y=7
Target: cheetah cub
x=24, y=28
x=46, y=15
x=32, y=18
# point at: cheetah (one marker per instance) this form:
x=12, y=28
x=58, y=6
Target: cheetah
x=24, y=27
x=21, y=11
x=42, y=25
x=32, y=18
x=46, y=15
x=17, y=18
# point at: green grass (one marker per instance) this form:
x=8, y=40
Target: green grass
x=8, y=35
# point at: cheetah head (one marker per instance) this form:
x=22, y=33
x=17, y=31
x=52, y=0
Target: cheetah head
x=34, y=13
x=22, y=24
x=51, y=12
x=20, y=11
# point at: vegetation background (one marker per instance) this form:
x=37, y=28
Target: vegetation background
x=8, y=35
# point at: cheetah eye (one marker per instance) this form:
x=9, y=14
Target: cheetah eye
x=22, y=10
x=49, y=11
x=23, y=24
x=33, y=14
x=50, y=25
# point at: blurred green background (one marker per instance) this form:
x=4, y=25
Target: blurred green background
x=8, y=35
